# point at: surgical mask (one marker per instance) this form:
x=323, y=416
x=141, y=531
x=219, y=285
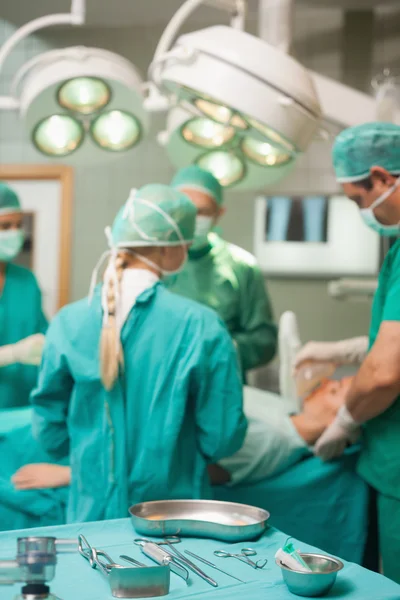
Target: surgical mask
x=203, y=227
x=368, y=216
x=163, y=272
x=11, y=242
x=133, y=283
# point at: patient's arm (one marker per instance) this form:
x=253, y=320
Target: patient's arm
x=41, y=476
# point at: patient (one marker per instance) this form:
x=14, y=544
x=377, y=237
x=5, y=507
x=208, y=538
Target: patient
x=276, y=438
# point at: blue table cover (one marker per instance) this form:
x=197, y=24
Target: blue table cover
x=75, y=580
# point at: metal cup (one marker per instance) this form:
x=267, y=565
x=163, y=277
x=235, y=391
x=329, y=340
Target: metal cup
x=315, y=584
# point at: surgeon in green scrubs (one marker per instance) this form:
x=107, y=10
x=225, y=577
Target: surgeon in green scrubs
x=223, y=276
x=139, y=387
x=366, y=159
x=21, y=314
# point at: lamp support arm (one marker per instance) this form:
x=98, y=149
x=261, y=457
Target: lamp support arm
x=75, y=17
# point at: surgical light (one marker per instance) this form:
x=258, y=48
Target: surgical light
x=116, y=130
x=93, y=91
x=84, y=95
x=58, y=135
x=205, y=133
x=227, y=167
x=241, y=81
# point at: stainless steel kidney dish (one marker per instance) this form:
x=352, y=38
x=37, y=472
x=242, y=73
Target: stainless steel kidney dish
x=225, y=521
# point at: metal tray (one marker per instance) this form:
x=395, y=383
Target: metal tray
x=226, y=521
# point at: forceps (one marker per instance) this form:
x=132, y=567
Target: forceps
x=243, y=557
x=127, y=582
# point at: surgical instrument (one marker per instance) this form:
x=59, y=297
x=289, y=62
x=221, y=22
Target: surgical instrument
x=210, y=564
x=191, y=564
x=172, y=539
x=132, y=560
x=175, y=554
x=161, y=557
x=127, y=582
x=243, y=557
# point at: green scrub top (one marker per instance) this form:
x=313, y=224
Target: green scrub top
x=379, y=463
x=227, y=279
x=21, y=315
x=176, y=407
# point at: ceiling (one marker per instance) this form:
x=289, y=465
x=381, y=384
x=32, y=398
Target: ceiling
x=108, y=13
x=128, y=13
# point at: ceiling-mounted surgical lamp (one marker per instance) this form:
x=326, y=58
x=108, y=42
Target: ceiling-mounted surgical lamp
x=81, y=98
x=243, y=93
x=78, y=98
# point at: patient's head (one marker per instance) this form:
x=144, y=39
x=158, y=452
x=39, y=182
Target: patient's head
x=328, y=397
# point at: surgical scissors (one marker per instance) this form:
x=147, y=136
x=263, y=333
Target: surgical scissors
x=243, y=557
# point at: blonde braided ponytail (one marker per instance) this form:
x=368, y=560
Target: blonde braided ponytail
x=111, y=353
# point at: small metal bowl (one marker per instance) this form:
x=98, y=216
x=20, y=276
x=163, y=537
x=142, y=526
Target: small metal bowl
x=315, y=584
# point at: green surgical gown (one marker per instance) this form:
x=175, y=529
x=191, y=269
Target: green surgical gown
x=176, y=407
x=21, y=315
x=227, y=279
x=380, y=458
x=379, y=463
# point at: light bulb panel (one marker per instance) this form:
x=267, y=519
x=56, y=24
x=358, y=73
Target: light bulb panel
x=40, y=93
x=181, y=154
x=259, y=82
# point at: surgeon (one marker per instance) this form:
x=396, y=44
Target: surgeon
x=21, y=315
x=366, y=159
x=225, y=277
x=140, y=387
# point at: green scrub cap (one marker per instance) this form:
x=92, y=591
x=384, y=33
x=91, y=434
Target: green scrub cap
x=359, y=148
x=9, y=201
x=154, y=215
x=195, y=178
